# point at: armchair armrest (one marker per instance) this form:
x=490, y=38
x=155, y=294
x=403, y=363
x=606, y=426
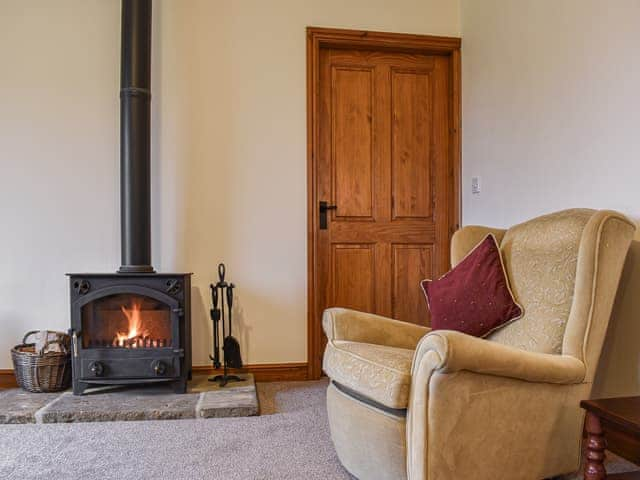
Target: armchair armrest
x=354, y=326
x=457, y=351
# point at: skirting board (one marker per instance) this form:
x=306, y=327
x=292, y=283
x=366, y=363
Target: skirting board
x=267, y=372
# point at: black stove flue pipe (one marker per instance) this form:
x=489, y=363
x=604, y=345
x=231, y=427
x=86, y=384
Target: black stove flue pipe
x=135, y=131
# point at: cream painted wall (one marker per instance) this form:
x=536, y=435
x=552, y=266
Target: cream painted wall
x=229, y=152
x=58, y=157
x=550, y=121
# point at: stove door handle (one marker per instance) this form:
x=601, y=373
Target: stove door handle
x=74, y=337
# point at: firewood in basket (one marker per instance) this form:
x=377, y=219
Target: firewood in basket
x=42, y=337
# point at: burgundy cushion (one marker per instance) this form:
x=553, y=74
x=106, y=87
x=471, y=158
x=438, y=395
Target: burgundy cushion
x=474, y=297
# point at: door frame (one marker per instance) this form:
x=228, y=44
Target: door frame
x=317, y=39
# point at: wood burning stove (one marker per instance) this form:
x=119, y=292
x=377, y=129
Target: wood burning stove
x=130, y=328
x=133, y=326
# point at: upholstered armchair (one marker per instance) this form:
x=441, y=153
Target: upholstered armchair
x=407, y=402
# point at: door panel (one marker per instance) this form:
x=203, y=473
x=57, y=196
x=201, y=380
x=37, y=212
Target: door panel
x=383, y=158
x=352, y=112
x=411, y=143
x=412, y=263
x=353, y=268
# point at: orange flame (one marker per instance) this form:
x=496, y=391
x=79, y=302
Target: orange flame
x=135, y=324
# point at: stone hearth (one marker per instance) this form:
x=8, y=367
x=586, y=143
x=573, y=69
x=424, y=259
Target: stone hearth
x=204, y=400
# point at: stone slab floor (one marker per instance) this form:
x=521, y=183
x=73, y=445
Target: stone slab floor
x=203, y=400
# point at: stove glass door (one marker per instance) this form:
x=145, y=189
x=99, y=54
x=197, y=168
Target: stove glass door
x=125, y=320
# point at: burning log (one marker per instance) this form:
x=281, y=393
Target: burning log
x=135, y=342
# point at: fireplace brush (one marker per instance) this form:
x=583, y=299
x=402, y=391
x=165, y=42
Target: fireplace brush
x=232, y=359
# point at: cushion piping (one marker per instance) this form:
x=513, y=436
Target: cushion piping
x=396, y=412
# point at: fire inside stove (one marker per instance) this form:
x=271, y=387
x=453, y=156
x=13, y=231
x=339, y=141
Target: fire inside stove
x=126, y=321
x=137, y=336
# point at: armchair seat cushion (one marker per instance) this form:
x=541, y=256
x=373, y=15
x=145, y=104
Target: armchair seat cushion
x=378, y=372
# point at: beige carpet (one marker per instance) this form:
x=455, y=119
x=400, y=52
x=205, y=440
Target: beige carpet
x=290, y=441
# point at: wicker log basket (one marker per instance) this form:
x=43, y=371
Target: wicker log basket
x=43, y=370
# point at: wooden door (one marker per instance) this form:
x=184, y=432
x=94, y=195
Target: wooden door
x=384, y=169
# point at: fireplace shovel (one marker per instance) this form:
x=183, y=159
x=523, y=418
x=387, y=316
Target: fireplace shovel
x=231, y=346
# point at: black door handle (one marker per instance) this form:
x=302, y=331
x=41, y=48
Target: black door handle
x=324, y=206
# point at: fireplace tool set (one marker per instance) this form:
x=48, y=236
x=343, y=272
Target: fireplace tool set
x=221, y=292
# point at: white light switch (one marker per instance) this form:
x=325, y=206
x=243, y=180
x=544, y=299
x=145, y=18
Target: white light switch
x=475, y=185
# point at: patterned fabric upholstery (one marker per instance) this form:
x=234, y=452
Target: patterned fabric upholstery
x=541, y=257
x=376, y=371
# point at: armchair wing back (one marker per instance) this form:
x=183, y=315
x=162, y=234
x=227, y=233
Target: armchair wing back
x=540, y=257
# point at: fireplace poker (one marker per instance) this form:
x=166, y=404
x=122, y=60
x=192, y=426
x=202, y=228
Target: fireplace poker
x=215, y=317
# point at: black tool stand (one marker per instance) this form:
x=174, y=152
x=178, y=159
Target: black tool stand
x=232, y=357
x=226, y=378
